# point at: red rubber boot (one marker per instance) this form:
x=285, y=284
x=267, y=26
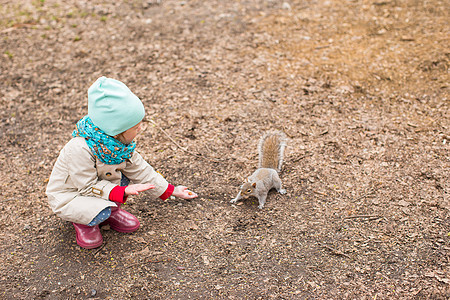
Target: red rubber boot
x=122, y=221
x=88, y=237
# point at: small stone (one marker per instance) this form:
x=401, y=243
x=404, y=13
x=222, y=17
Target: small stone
x=286, y=6
x=403, y=203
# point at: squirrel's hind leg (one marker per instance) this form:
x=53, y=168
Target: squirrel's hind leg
x=282, y=191
x=277, y=184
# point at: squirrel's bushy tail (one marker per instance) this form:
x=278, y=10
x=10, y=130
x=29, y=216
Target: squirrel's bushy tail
x=271, y=150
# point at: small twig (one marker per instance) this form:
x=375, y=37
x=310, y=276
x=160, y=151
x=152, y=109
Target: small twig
x=320, y=193
x=335, y=251
x=173, y=141
x=101, y=247
x=324, y=132
x=179, y=146
x=6, y=200
x=363, y=216
x=304, y=134
x=371, y=191
x=296, y=159
x=338, y=162
x=418, y=291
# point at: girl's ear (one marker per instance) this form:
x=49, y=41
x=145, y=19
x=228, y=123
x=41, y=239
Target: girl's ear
x=254, y=184
x=119, y=137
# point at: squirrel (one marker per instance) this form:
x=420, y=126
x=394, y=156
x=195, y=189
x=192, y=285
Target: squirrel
x=271, y=151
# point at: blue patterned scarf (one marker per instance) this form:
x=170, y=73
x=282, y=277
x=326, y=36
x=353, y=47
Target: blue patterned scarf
x=107, y=149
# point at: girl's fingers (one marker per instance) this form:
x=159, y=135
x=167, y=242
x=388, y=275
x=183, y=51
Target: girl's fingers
x=183, y=192
x=135, y=189
x=190, y=194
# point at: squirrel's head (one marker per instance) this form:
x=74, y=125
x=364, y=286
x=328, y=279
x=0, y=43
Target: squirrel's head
x=248, y=188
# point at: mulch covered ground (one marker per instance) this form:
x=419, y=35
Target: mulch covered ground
x=360, y=88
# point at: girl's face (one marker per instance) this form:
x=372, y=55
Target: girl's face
x=128, y=136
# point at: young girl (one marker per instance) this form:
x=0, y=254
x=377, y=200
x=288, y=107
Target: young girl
x=90, y=178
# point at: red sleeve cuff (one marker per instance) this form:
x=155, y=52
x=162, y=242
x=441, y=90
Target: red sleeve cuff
x=117, y=194
x=167, y=193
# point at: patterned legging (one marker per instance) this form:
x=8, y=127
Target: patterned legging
x=106, y=213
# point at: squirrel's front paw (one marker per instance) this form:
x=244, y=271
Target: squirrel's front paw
x=282, y=191
x=234, y=200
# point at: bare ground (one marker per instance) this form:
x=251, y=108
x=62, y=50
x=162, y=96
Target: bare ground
x=360, y=87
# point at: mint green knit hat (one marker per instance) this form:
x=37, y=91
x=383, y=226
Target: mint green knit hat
x=113, y=107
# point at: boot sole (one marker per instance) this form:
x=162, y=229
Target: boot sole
x=89, y=246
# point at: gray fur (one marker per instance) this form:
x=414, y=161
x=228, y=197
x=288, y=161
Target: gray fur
x=264, y=179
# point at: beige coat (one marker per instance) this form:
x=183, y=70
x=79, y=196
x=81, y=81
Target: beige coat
x=79, y=186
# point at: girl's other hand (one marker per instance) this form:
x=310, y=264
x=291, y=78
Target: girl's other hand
x=182, y=192
x=135, y=189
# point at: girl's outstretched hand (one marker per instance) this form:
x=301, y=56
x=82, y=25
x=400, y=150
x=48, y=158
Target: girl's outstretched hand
x=182, y=192
x=135, y=189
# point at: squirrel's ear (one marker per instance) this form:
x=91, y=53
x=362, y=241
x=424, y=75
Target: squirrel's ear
x=254, y=184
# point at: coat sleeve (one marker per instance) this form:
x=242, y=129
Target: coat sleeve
x=139, y=171
x=83, y=174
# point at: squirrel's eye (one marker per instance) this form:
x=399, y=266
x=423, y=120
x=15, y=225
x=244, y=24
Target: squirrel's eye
x=249, y=191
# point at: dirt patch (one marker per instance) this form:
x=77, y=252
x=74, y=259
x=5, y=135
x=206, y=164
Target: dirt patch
x=360, y=88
